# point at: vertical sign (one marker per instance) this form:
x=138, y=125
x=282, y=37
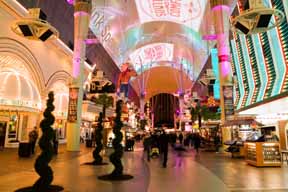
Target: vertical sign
x=72, y=108
x=228, y=100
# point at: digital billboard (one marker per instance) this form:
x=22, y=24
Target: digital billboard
x=186, y=12
x=152, y=53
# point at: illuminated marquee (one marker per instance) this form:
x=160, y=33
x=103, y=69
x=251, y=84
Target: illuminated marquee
x=99, y=24
x=152, y=53
x=187, y=12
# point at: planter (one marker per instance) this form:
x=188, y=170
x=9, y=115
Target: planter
x=24, y=149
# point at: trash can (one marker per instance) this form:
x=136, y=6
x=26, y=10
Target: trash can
x=88, y=142
x=24, y=149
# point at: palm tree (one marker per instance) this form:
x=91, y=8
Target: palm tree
x=204, y=112
x=104, y=100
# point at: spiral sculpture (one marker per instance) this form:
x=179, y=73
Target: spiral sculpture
x=99, y=145
x=42, y=162
x=115, y=157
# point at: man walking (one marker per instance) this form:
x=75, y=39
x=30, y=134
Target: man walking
x=147, y=146
x=33, y=136
x=164, y=140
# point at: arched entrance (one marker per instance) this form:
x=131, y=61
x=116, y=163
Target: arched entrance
x=164, y=106
x=20, y=91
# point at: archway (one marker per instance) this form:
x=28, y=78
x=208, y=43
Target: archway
x=164, y=106
x=15, y=55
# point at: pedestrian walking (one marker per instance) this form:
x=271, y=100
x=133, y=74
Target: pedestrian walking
x=217, y=142
x=147, y=146
x=197, y=142
x=180, y=138
x=164, y=140
x=33, y=136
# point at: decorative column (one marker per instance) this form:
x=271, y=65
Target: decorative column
x=142, y=106
x=82, y=10
x=181, y=108
x=221, y=14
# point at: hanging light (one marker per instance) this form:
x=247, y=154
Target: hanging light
x=256, y=18
x=34, y=26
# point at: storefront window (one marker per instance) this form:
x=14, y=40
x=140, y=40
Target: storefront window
x=12, y=129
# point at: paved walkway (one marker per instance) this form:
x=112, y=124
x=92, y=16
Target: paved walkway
x=204, y=173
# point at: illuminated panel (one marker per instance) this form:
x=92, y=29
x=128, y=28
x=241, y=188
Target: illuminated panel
x=278, y=58
x=248, y=70
x=186, y=12
x=214, y=60
x=261, y=67
x=268, y=63
x=238, y=73
x=152, y=53
x=242, y=67
x=254, y=67
x=282, y=31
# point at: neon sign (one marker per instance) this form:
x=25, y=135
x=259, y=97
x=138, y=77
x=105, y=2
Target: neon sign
x=152, y=53
x=187, y=12
x=99, y=24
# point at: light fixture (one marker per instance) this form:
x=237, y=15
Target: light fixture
x=35, y=26
x=256, y=18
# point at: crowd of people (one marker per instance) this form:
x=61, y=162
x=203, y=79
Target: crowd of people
x=157, y=144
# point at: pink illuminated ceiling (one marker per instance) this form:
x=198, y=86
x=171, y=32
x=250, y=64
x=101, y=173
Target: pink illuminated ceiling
x=169, y=32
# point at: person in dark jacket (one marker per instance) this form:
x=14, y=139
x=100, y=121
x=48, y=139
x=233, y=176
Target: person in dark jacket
x=147, y=146
x=33, y=136
x=217, y=142
x=180, y=138
x=197, y=142
x=164, y=140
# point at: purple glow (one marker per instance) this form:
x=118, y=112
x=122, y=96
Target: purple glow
x=221, y=7
x=91, y=41
x=80, y=13
x=225, y=68
x=209, y=37
x=70, y=2
x=76, y=67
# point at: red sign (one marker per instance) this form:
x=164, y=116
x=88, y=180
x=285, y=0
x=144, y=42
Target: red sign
x=72, y=107
x=223, y=58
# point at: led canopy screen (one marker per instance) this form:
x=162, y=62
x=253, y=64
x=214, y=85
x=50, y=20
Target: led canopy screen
x=152, y=53
x=186, y=12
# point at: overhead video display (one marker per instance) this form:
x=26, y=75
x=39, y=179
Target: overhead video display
x=152, y=53
x=186, y=12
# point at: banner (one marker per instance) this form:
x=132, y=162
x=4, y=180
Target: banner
x=228, y=100
x=72, y=107
x=185, y=12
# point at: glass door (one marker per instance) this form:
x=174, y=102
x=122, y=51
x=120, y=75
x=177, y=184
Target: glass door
x=3, y=126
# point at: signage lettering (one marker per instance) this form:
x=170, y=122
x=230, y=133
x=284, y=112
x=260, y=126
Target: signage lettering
x=72, y=107
x=99, y=26
x=187, y=12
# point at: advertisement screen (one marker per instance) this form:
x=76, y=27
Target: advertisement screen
x=186, y=12
x=152, y=53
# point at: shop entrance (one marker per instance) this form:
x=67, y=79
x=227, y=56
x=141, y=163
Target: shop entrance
x=3, y=128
